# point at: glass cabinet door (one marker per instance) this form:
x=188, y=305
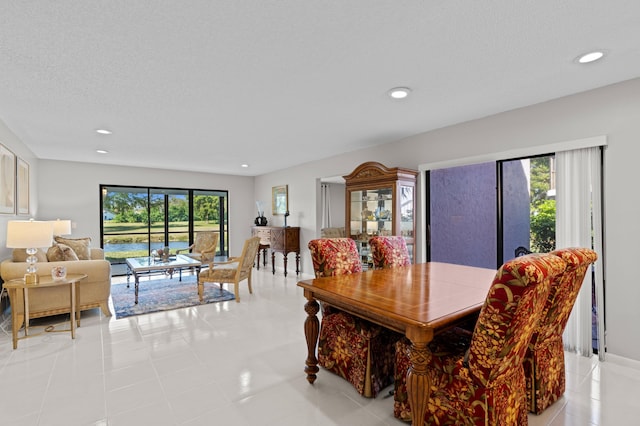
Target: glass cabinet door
x=407, y=216
x=371, y=213
x=406, y=211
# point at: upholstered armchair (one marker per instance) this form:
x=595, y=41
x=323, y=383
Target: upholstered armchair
x=233, y=271
x=544, y=360
x=358, y=351
x=389, y=252
x=477, y=378
x=204, y=246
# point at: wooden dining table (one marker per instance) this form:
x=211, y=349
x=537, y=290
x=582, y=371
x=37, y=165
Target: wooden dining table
x=419, y=301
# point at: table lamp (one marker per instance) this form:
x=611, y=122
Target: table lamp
x=29, y=234
x=61, y=227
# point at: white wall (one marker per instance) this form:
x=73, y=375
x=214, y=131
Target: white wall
x=613, y=111
x=11, y=142
x=70, y=190
x=338, y=207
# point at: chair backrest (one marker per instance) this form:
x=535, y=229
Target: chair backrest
x=521, y=251
x=389, y=252
x=204, y=240
x=334, y=256
x=564, y=292
x=510, y=314
x=248, y=256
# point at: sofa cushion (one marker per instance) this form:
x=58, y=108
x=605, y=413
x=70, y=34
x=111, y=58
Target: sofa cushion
x=20, y=255
x=79, y=245
x=61, y=252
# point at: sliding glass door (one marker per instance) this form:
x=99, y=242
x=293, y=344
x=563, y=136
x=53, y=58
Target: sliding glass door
x=462, y=215
x=137, y=220
x=484, y=214
x=210, y=214
x=528, y=206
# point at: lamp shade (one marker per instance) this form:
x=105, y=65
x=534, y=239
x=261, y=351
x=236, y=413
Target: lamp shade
x=61, y=227
x=29, y=234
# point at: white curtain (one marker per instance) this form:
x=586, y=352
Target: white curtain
x=579, y=223
x=326, y=205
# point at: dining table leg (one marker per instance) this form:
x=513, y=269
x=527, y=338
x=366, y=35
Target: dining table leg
x=418, y=383
x=311, y=331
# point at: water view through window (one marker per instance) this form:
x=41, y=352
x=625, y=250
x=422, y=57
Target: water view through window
x=137, y=220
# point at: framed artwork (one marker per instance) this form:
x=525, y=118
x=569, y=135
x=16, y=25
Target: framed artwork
x=7, y=181
x=279, y=200
x=22, y=176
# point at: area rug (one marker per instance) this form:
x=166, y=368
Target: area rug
x=163, y=294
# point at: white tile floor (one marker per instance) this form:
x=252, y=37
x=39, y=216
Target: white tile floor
x=231, y=364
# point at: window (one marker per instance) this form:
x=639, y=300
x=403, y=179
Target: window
x=480, y=214
x=137, y=220
x=485, y=214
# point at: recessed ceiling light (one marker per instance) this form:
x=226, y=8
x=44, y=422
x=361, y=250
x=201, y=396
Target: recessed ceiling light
x=104, y=131
x=590, y=57
x=102, y=151
x=399, y=92
x=244, y=165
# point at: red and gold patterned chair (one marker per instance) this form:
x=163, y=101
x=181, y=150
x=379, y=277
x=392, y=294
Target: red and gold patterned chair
x=477, y=378
x=358, y=351
x=544, y=360
x=389, y=252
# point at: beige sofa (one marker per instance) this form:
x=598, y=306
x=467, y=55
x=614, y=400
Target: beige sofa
x=94, y=290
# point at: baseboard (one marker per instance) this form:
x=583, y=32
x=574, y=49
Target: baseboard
x=619, y=360
x=280, y=271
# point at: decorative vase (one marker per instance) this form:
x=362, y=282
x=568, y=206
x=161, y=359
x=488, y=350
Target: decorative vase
x=58, y=273
x=261, y=221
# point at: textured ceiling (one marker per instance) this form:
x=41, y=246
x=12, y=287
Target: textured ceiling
x=209, y=85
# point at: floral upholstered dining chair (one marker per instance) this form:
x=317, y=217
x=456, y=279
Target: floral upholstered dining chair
x=389, y=252
x=478, y=379
x=544, y=360
x=358, y=351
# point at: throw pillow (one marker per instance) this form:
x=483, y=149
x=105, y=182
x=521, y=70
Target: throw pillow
x=79, y=245
x=20, y=255
x=60, y=253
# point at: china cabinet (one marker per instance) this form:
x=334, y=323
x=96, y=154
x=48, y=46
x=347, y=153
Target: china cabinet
x=380, y=201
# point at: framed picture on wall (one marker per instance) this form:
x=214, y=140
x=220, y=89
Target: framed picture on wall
x=22, y=175
x=7, y=181
x=280, y=200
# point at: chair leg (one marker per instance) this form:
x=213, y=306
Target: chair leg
x=200, y=290
x=236, y=292
x=249, y=282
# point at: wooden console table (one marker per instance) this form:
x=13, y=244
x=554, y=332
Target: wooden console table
x=280, y=239
x=20, y=305
x=264, y=232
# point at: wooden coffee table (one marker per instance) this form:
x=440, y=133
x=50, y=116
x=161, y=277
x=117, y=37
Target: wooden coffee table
x=149, y=265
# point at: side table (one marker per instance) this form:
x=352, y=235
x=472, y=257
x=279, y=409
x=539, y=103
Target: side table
x=45, y=281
